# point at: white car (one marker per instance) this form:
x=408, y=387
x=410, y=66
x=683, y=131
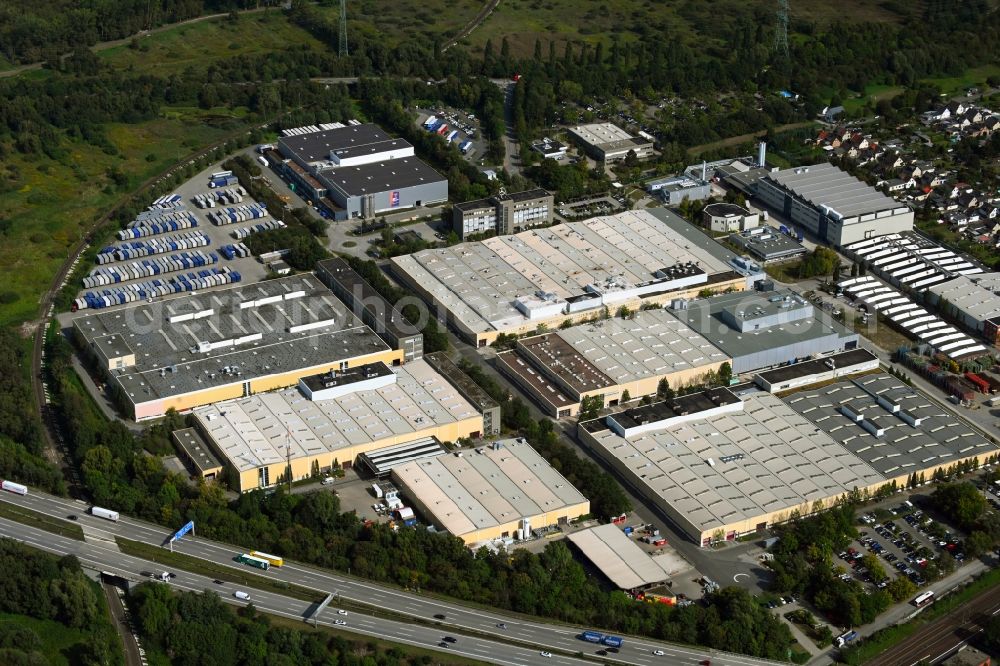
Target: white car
x=341, y=611
x=241, y=595
x=658, y=653
x=545, y=654
x=340, y=622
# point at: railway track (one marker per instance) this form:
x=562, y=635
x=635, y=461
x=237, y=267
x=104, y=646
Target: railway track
x=944, y=635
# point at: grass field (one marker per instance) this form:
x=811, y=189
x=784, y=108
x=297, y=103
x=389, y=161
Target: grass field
x=199, y=44
x=52, y=202
x=59, y=642
x=976, y=76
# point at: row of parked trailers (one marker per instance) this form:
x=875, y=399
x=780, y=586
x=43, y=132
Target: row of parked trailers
x=150, y=289
x=188, y=240
x=135, y=270
x=235, y=251
x=240, y=234
x=159, y=224
x=238, y=214
x=224, y=196
x=168, y=202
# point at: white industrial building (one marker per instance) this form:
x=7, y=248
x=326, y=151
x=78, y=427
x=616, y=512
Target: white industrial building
x=913, y=319
x=910, y=261
x=606, y=142
x=974, y=300
x=833, y=205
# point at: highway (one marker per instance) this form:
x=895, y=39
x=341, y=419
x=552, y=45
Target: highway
x=458, y=618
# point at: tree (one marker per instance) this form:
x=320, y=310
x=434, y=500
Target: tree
x=978, y=543
x=901, y=588
x=663, y=390
x=962, y=502
x=626, y=396
x=725, y=373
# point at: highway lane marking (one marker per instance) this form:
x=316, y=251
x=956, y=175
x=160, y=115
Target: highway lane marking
x=372, y=591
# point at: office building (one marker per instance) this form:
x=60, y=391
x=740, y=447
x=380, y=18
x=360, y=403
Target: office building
x=767, y=245
x=503, y=213
x=727, y=218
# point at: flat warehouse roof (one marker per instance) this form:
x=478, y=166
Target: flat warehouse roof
x=706, y=317
x=478, y=282
x=921, y=435
x=196, y=342
x=651, y=343
x=738, y=466
x=316, y=146
x=494, y=485
x=196, y=449
x=845, y=359
x=619, y=558
x=976, y=297
x=254, y=431
x=381, y=176
x=826, y=184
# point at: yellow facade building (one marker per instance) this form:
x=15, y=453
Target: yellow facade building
x=262, y=435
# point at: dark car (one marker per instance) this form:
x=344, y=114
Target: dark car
x=602, y=653
x=450, y=639
x=439, y=616
x=442, y=644
x=219, y=582
x=71, y=516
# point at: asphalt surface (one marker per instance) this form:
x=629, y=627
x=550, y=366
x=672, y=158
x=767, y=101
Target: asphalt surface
x=458, y=618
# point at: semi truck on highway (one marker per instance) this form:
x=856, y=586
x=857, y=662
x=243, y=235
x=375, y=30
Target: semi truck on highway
x=273, y=560
x=592, y=636
x=101, y=512
x=254, y=561
x=12, y=487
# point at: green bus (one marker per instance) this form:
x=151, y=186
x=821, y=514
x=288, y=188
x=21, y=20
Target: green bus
x=254, y=561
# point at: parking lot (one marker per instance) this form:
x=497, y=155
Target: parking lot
x=905, y=539
x=249, y=268
x=465, y=124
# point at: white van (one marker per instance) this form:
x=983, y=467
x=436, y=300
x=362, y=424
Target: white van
x=241, y=595
x=327, y=480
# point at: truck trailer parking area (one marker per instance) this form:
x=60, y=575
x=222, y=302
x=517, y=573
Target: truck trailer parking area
x=188, y=250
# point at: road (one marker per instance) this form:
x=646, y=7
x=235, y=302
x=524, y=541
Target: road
x=137, y=569
x=946, y=634
x=472, y=25
x=458, y=617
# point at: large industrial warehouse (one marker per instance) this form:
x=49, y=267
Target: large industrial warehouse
x=573, y=271
x=719, y=466
x=833, y=205
x=891, y=426
x=349, y=413
x=972, y=300
x=607, y=358
x=503, y=490
x=763, y=329
x=198, y=349
x=359, y=170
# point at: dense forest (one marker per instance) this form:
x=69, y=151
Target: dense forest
x=46, y=587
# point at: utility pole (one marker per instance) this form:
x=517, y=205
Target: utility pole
x=343, y=30
x=780, y=30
